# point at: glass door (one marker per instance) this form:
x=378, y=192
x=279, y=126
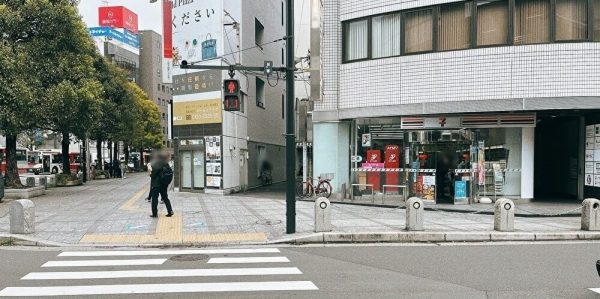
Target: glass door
x=186, y=170
x=198, y=169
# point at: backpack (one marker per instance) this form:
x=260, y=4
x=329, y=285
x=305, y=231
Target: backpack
x=167, y=175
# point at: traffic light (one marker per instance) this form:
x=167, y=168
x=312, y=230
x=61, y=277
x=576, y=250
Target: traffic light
x=232, y=97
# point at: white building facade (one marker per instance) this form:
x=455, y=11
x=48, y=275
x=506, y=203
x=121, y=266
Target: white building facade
x=458, y=100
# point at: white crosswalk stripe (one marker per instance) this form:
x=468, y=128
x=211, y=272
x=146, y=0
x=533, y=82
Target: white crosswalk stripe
x=82, y=270
x=595, y=290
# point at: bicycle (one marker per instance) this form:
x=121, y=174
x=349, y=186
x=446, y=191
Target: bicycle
x=307, y=189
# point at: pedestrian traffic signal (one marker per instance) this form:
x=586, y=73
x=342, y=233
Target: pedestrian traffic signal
x=232, y=95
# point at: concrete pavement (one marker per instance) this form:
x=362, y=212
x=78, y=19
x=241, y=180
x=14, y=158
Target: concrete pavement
x=114, y=212
x=473, y=270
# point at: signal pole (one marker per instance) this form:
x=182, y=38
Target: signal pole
x=290, y=136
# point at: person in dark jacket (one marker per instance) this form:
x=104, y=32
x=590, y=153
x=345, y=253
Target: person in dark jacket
x=157, y=187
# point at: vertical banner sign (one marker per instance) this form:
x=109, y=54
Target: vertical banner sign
x=481, y=163
x=392, y=160
x=197, y=31
x=167, y=11
x=590, y=159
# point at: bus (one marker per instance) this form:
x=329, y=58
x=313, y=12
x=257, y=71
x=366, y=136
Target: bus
x=22, y=160
x=50, y=161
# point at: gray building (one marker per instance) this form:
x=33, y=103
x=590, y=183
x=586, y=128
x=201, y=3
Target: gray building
x=151, y=77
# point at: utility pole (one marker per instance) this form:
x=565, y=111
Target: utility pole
x=290, y=136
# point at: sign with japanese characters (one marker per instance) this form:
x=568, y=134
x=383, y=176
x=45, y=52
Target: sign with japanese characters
x=197, y=31
x=197, y=112
x=197, y=82
x=592, y=156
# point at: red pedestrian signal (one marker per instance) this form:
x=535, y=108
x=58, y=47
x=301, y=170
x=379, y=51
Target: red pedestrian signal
x=232, y=97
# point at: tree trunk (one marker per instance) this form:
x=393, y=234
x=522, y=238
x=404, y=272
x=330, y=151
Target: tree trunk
x=115, y=165
x=126, y=152
x=99, y=160
x=142, y=158
x=65, y=153
x=12, y=169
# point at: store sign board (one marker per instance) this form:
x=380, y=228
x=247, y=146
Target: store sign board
x=366, y=140
x=441, y=122
x=460, y=191
x=197, y=112
x=592, y=156
x=197, y=82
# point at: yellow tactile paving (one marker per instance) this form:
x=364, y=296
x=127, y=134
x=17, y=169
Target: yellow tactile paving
x=170, y=228
x=130, y=204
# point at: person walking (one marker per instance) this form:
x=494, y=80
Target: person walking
x=160, y=178
x=123, y=166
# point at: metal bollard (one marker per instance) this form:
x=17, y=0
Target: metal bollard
x=22, y=217
x=322, y=215
x=30, y=182
x=44, y=182
x=414, y=214
x=590, y=214
x=504, y=215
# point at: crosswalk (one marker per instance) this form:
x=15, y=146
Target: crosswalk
x=269, y=269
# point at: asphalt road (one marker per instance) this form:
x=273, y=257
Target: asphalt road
x=548, y=270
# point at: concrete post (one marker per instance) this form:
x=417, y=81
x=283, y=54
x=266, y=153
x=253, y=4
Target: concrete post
x=22, y=217
x=590, y=214
x=322, y=215
x=30, y=182
x=504, y=215
x=44, y=182
x=414, y=214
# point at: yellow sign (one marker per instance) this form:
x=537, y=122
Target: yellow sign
x=197, y=112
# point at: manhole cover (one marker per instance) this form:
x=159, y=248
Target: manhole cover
x=268, y=222
x=189, y=258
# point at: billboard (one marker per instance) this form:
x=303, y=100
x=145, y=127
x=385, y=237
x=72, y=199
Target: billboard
x=167, y=66
x=197, y=31
x=197, y=112
x=123, y=36
x=118, y=17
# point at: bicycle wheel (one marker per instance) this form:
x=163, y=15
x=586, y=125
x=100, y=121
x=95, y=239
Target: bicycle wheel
x=303, y=189
x=323, y=189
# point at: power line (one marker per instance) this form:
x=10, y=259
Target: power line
x=242, y=50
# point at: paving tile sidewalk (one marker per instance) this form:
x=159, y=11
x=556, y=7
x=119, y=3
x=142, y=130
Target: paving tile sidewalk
x=115, y=212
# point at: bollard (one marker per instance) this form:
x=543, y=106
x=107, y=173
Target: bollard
x=590, y=214
x=414, y=214
x=22, y=217
x=30, y=182
x=44, y=182
x=322, y=215
x=504, y=215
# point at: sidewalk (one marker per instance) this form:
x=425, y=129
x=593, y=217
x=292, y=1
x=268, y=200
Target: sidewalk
x=115, y=212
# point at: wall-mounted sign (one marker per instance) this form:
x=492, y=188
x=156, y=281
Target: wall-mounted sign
x=214, y=168
x=197, y=112
x=592, y=156
x=213, y=148
x=366, y=140
x=197, y=82
x=213, y=181
x=441, y=122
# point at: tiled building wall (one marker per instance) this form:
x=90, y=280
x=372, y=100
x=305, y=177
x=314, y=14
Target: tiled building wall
x=498, y=73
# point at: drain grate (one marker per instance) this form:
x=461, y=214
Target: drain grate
x=268, y=222
x=189, y=258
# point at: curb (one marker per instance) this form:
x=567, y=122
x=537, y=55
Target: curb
x=19, y=240
x=436, y=237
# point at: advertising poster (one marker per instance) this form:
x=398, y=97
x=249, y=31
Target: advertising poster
x=118, y=17
x=589, y=131
x=589, y=179
x=481, y=163
x=213, y=181
x=592, y=156
x=213, y=148
x=167, y=66
x=197, y=112
x=596, y=180
x=366, y=140
x=429, y=187
x=213, y=168
x=460, y=192
x=589, y=167
x=197, y=31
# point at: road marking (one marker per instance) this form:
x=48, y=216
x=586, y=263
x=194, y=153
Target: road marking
x=159, y=288
x=130, y=204
x=96, y=263
x=161, y=273
x=248, y=260
x=165, y=252
x=595, y=290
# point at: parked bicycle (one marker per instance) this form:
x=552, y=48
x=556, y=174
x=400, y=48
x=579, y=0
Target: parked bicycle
x=308, y=189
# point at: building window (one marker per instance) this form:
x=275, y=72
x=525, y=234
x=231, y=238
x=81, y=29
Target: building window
x=164, y=130
x=418, y=31
x=492, y=22
x=259, y=32
x=158, y=87
x=159, y=101
x=454, y=26
x=283, y=106
x=356, y=40
x=571, y=19
x=532, y=21
x=386, y=35
x=596, y=23
x=164, y=103
x=260, y=93
x=163, y=116
x=163, y=88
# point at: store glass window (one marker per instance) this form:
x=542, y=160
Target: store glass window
x=418, y=31
x=356, y=38
x=386, y=35
x=454, y=23
x=492, y=22
x=571, y=19
x=532, y=21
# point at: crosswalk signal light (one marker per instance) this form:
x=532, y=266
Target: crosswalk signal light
x=232, y=97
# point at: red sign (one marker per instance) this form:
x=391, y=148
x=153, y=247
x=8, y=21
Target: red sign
x=168, y=28
x=118, y=17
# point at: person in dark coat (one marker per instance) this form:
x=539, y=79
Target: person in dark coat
x=157, y=187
